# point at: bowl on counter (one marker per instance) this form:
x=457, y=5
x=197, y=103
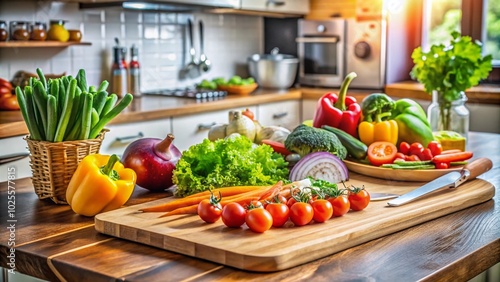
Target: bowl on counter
x=241, y=89
x=276, y=71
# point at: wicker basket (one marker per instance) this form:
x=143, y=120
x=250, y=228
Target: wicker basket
x=53, y=164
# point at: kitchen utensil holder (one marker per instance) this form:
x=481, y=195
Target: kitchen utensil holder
x=53, y=164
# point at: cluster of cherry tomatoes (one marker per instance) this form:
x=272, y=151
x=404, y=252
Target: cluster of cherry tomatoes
x=301, y=209
x=381, y=152
x=434, y=152
x=417, y=152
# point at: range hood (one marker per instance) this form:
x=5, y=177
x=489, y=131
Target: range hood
x=162, y=5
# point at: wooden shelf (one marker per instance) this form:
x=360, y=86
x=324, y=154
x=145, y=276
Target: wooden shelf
x=37, y=44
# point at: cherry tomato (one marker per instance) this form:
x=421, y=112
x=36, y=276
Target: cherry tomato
x=426, y=155
x=400, y=155
x=381, y=152
x=258, y=220
x=255, y=204
x=301, y=213
x=280, y=213
x=412, y=158
x=435, y=148
x=290, y=202
x=323, y=210
x=404, y=148
x=281, y=199
x=209, y=211
x=416, y=149
x=340, y=205
x=442, y=165
x=359, y=198
x=233, y=215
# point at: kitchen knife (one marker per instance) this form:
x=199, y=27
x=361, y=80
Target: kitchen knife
x=449, y=180
x=382, y=196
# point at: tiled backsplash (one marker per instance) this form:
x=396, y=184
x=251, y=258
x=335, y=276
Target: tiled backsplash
x=162, y=40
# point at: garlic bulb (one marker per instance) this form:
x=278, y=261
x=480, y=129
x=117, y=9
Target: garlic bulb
x=272, y=132
x=241, y=124
x=217, y=131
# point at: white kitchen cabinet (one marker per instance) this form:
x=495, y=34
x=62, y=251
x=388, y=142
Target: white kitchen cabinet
x=308, y=109
x=286, y=114
x=192, y=129
x=121, y=135
x=299, y=7
x=15, y=169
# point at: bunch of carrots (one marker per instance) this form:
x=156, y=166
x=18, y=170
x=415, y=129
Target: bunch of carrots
x=240, y=194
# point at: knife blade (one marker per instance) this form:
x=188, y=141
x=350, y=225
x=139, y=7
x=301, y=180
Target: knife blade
x=449, y=180
x=382, y=196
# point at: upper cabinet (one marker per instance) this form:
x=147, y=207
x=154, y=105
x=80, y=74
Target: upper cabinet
x=298, y=7
x=270, y=8
x=327, y=9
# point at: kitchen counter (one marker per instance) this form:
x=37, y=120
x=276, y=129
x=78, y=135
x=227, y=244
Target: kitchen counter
x=481, y=94
x=154, y=107
x=150, y=107
x=53, y=243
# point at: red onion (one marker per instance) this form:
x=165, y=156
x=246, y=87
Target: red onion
x=153, y=160
x=320, y=165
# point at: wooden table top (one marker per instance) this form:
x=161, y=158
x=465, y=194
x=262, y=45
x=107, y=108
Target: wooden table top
x=53, y=243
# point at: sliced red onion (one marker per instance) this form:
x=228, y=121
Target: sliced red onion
x=320, y=165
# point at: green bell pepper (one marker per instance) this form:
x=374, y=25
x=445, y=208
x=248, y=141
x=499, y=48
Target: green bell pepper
x=412, y=122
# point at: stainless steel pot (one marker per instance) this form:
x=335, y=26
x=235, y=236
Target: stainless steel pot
x=273, y=70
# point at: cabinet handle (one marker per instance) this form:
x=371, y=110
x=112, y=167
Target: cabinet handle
x=205, y=126
x=127, y=139
x=12, y=157
x=275, y=3
x=280, y=115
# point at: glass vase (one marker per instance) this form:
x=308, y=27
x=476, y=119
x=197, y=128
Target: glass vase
x=449, y=116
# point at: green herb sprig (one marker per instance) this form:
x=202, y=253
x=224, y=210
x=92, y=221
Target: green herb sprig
x=451, y=69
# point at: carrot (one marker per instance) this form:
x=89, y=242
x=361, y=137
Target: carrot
x=273, y=191
x=234, y=191
x=240, y=194
x=228, y=191
x=451, y=151
x=192, y=209
x=452, y=157
x=179, y=203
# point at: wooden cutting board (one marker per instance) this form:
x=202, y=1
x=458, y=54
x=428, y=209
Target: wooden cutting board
x=281, y=248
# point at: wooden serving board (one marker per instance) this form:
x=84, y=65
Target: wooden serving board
x=281, y=248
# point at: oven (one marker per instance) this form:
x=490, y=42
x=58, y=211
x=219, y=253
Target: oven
x=321, y=51
x=330, y=49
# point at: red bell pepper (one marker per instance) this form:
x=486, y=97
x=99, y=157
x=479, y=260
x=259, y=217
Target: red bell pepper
x=340, y=111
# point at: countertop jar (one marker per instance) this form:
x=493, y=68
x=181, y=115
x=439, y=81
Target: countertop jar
x=38, y=31
x=19, y=31
x=4, y=32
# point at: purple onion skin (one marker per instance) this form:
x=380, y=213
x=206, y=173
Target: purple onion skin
x=154, y=169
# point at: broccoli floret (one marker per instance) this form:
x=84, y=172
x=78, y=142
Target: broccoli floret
x=307, y=139
x=377, y=107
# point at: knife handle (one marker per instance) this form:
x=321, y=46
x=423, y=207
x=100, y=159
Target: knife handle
x=478, y=167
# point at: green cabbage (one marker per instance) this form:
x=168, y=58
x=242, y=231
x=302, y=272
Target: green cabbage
x=227, y=162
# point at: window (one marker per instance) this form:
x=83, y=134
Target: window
x=479, y=19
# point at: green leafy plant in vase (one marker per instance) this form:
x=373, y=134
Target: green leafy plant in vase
x=446, y=71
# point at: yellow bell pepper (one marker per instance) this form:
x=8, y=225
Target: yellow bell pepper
x=100, y=183
x=370, y=132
